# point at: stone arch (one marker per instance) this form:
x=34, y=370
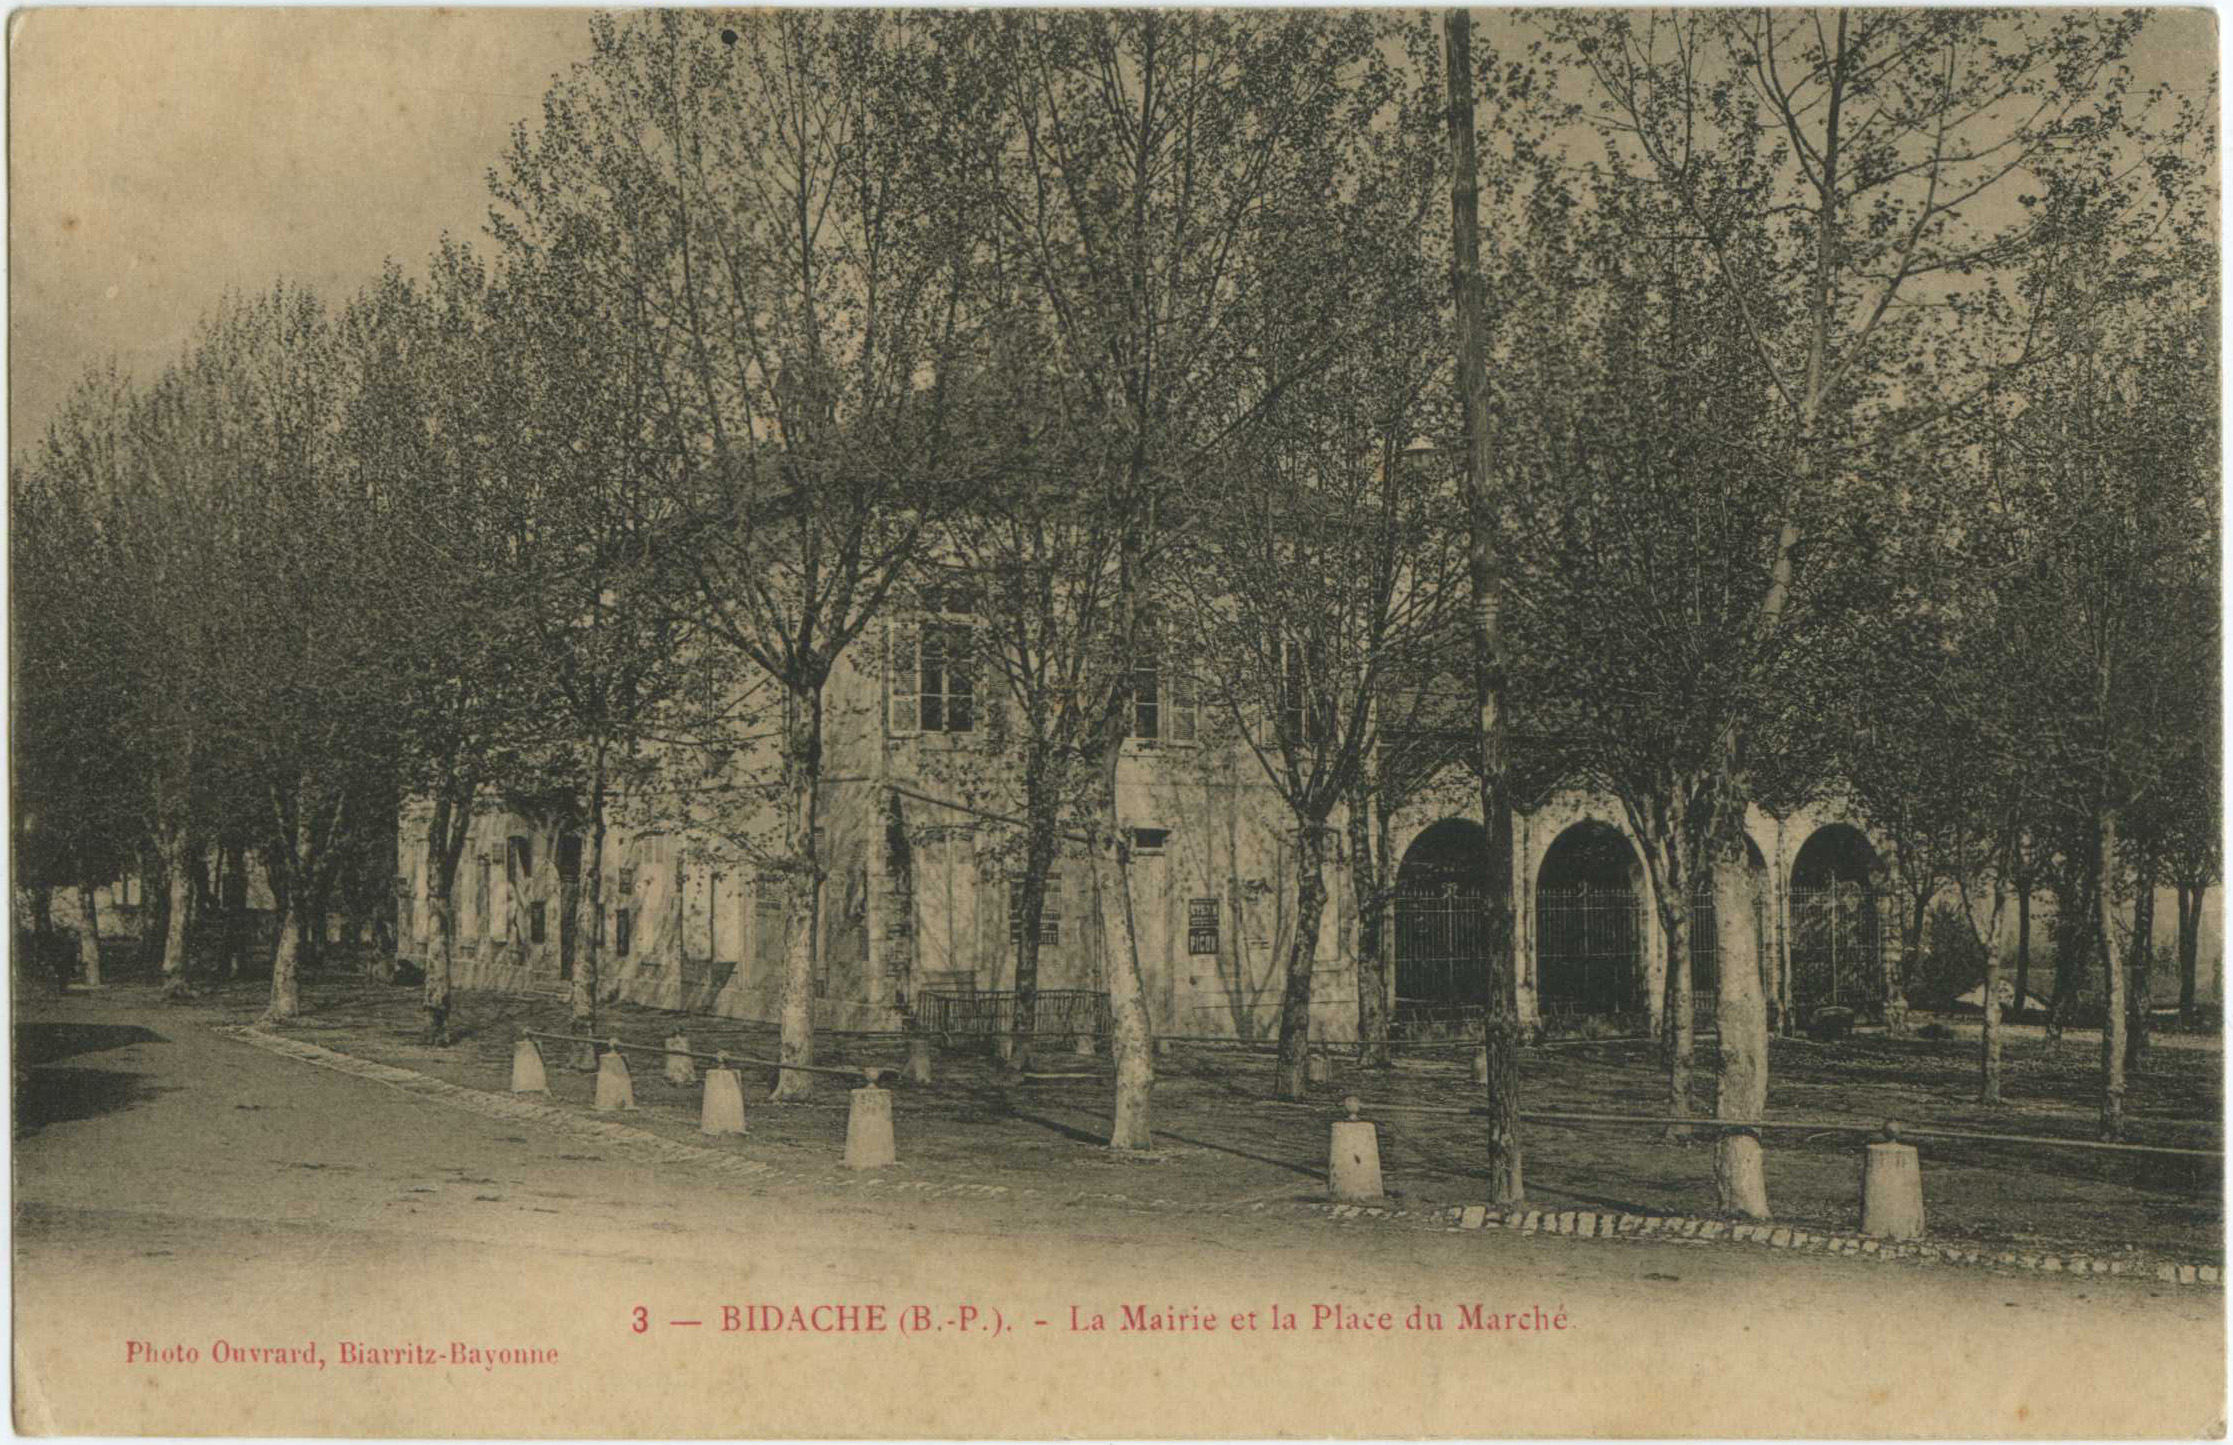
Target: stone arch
x=1837, y=920
x=1589, y=922
x=1440, y=934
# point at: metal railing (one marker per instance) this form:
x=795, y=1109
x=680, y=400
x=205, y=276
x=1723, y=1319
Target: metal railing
x=990, y=1013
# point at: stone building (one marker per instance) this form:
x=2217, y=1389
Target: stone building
x=918, y=914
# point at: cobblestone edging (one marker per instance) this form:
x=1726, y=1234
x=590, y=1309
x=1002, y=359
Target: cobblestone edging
x=1585, y=1224
x=1588, y=1224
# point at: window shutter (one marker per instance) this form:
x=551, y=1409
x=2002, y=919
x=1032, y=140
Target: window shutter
x=902, y=678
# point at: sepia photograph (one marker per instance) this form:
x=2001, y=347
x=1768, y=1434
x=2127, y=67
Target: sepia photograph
x=1128, y=723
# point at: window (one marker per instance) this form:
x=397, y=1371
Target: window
x=1050, y=912
x=728, y=918
x=769, y=915
x=520, y=858
x=537, y=929
x=1301, y=677
x=484, y=897
x=624, y=928
x=1163, y=707
x=1149, y=842
x=934, y=667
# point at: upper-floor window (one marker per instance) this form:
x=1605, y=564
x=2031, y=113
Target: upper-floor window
x=1301, y=681
x=934, y=665
x=1163, y=705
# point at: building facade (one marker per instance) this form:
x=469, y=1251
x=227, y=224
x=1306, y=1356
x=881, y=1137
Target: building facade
x=920, y=903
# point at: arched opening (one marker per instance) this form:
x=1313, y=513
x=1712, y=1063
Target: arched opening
x=1589, y=923
x=1837, y=929
x=1441, y=937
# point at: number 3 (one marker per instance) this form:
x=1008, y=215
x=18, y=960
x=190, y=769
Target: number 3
x=643, y=1320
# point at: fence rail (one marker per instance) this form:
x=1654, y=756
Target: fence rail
x=990, y=1013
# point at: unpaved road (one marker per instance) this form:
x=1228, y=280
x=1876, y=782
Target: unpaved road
x=176, y=1188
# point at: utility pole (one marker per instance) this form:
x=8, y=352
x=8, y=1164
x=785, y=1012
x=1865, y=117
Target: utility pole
x=1490, y=662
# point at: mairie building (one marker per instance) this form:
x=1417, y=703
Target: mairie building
x=919, y=924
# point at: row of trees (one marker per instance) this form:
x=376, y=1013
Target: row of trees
x=1719, y=408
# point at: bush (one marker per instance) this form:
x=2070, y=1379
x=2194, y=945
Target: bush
x=1953, y=961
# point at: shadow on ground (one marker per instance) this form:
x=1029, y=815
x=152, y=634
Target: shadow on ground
x=46, y=1043
x=46, y=1094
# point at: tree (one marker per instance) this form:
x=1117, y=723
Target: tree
x=589, y=508
x=1877, y=139
x=1323, y=596
x=1135, y=160
x=790, y=282
x=304, y=604
x=80, y=790
x=425, y=416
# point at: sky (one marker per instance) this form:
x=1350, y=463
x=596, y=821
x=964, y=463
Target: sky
x=159, y=158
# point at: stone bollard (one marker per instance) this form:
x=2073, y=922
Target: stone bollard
x=1353, y=1159
x=1891, y=1188
x=527, y=1068
x=1162, y=1048
x=723, y=1109
x=681, y=1068
x=1481, y=1065
x=868, y=1128
x=614, y=1088
x=918, y=1061
x=1082, y=1045
x=1318, y=1069
x=583, y=1059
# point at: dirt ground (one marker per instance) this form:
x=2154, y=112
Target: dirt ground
x=1221, y=1138
x=178, y=1188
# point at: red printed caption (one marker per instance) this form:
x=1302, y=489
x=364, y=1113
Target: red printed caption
x=857, y=1318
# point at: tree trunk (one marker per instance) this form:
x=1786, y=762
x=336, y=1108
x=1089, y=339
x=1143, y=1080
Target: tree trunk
x=232, y=895
x=298, y=860
x=2113, y=1021
x=1040, y=847
x=803, y=920
x=1503, y=1019
x=179, y=893
x=2076, y=920
x=2190, y=946
x=286, y=995
x=590, y=961
x=1742, y=1016
x=89, y=935
x=1898, y=968
x=440, y=894
x=155, y=918
x=1367, y=861
x=1678, y=1018
x=1132, y=1044
x=1302, y=957
x=2139, y=999
x=2023, y=947
x=1988, y=1091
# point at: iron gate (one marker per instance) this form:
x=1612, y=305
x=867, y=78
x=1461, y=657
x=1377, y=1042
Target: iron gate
x=1837, y=948
x=1588, y=949
x=1441, y=945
